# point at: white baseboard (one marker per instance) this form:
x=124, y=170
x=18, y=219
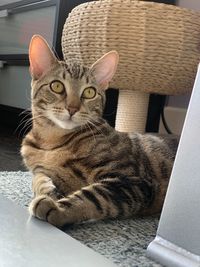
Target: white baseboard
x=175, y=119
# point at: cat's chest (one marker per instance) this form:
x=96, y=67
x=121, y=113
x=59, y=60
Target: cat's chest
x=55, y=157
x=52, y=158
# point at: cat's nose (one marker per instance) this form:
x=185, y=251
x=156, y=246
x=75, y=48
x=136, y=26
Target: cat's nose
x=72, y=110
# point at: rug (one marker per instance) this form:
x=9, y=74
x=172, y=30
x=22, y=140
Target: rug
x=122, y=241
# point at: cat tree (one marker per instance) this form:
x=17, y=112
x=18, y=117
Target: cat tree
x=158, y=44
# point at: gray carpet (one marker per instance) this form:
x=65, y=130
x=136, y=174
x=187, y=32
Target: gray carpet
x=122, y=241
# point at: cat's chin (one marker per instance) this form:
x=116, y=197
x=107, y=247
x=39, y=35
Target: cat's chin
x=67, y=125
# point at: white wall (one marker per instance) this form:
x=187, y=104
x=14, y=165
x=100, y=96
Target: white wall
x=182, y=101
x=193, y=4
x=177, y=105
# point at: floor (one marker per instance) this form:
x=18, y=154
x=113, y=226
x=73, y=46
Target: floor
x=10, y=159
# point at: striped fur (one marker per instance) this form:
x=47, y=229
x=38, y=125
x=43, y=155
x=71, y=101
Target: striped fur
x=89, y=171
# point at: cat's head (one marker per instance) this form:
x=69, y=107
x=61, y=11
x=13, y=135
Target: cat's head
x=67, y=94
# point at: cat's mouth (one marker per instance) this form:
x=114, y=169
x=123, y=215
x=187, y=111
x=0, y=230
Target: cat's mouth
x=70, y=118
x=69, y=124
x=64, y=122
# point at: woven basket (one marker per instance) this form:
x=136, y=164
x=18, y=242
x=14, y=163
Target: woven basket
x=158, y=44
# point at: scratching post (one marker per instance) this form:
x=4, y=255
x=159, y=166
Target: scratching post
x=132, y=111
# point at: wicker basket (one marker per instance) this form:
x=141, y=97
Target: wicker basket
x=158, y=44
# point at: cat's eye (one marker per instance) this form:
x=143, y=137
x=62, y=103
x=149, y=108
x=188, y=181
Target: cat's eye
x=57, y=87
x=89, y=93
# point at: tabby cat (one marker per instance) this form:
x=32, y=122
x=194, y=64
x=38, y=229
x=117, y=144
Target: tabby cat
x=82, y=168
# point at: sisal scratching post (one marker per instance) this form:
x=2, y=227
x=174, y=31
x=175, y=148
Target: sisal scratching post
x=132, y=111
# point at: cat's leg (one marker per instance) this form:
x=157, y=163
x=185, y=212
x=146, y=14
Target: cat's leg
x=81, y=206
x=43, y=185
x=110, y=199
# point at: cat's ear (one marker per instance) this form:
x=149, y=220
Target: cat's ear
x=41, y=56
x=104, y=68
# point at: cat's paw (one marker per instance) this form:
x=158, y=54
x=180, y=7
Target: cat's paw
x=46, y=209
x=55, y=194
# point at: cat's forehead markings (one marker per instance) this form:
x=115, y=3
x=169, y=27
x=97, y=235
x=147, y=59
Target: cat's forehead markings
x=87, y=79
x=75, y=70
x=83, y=71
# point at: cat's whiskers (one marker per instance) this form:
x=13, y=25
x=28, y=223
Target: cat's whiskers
x=28, y=111
x=92, y=122
x=84, y=116
x=24, y=119
x=27, y=123
x=88, y=125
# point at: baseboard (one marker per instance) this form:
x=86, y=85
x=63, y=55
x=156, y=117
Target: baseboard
x=175, y=118
x=170, y=255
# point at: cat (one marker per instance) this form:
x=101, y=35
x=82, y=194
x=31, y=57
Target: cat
x=83, y=169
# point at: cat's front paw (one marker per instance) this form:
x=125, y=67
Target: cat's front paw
x=46, y=209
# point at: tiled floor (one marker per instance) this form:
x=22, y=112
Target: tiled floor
x=10, y=159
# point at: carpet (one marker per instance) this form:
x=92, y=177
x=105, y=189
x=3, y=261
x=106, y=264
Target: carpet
x=122, y=241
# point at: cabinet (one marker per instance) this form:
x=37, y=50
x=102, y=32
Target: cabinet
x=18, y=22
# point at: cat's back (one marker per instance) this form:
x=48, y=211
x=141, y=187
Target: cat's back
x=154, y=146
x=154, y=154
x=155, y=143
